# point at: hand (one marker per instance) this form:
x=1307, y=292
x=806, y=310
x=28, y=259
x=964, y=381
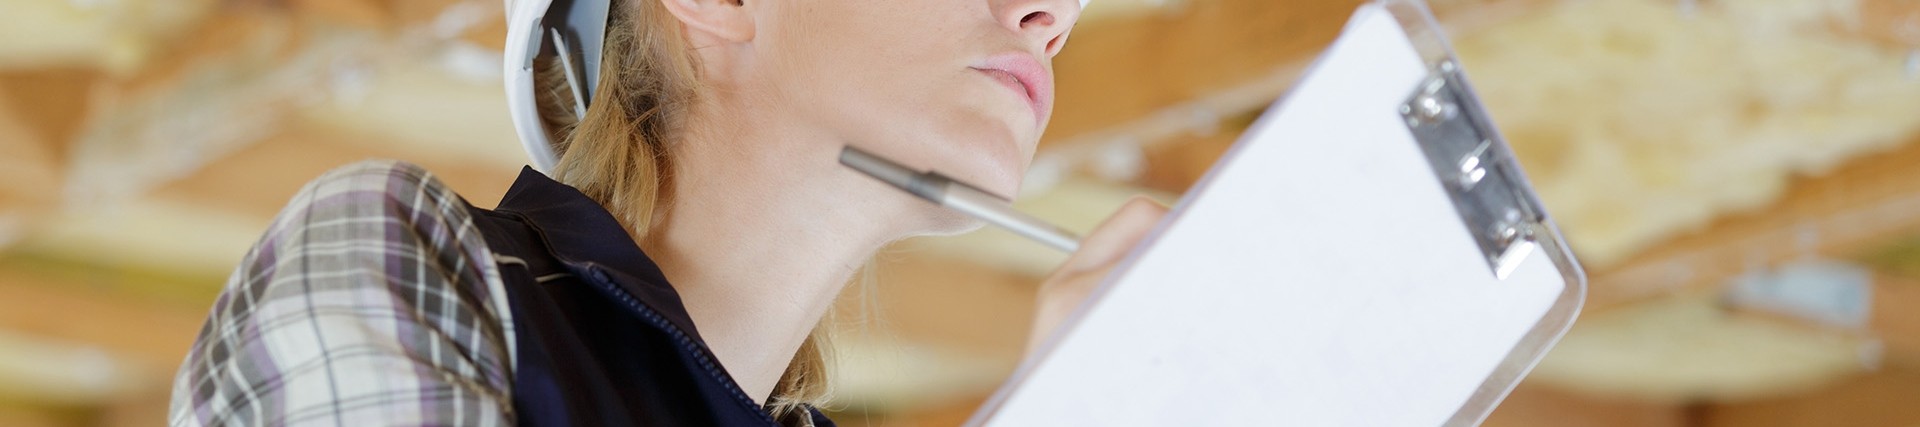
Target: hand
x=1068, y=286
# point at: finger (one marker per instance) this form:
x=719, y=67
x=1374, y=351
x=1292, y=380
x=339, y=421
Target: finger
x=1117, y=235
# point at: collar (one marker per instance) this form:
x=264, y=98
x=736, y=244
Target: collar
x=581, y=234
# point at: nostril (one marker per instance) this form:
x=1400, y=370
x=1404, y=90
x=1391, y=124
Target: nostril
x=1053, y=46
x=1037, y=18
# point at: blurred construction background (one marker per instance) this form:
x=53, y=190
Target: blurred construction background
x=1741, y=178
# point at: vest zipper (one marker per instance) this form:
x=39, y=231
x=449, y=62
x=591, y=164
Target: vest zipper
x=705, y=356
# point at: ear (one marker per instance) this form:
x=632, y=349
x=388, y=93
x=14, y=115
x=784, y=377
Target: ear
x=725, y=20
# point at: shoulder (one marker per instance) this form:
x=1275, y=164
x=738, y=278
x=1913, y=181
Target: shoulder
x=376, y=227
x=374, y=187
x=373, y=285
x=373, y=219
x=380, y=206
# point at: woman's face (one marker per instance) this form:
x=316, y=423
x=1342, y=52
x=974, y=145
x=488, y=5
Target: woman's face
x=964, y=87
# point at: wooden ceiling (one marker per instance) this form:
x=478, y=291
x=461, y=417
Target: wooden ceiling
x=1681, y=144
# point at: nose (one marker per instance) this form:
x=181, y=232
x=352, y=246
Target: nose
x=1043, y=22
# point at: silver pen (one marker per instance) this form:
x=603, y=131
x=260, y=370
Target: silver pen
x=960, y=197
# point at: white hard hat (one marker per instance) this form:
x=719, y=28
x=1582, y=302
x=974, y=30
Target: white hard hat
x=574, y=31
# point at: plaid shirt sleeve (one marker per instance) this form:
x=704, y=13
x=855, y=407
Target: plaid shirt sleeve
x=372, y=300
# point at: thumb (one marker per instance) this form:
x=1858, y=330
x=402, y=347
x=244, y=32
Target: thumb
x=1116, y=236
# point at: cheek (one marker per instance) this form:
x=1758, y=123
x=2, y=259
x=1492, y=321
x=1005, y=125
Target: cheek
x=854, y=64
x=836, y=49
x=887, y=73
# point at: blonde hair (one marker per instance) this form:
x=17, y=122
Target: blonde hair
x=618, y=153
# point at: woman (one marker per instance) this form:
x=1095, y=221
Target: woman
x=674, y=268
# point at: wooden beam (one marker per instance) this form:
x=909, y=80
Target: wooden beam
x=1892, y=323
x=39, y=112
x=143, y=337
x=371, y=14
x=488, y=33
x=1148, y=73
x=1881, y=399
x=258, y=179
x=152, y=333
x=29, y=170
x=19, y=415
x=1890, y=22
x=1866, y=202
x=1536, y=405
x=51, y=101
x=1895, y=320
x=1125, y=68
x=233, y=28
x=189, y=122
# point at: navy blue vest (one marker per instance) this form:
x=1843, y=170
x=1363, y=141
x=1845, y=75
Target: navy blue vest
x=602, y=339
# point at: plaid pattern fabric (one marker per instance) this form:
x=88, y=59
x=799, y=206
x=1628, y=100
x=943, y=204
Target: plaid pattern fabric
x=372, y=300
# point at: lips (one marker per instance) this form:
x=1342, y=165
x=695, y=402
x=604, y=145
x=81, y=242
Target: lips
x=1023, y=74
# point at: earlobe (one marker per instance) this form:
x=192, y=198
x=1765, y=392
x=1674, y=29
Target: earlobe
x=727, y=20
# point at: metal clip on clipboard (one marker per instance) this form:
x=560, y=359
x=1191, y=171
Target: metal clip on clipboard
x=1480, y=174
x=1476, y=167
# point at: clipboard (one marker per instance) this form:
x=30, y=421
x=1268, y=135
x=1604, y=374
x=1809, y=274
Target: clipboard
x=1368, y=254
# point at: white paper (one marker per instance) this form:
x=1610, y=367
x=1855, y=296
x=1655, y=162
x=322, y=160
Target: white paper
x=1320, y=278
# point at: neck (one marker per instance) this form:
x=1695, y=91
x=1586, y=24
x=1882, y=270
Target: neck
x=759, y=241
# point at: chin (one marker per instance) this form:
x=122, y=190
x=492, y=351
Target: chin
x=1006, y=183
x=987, y=155
x=999, y=173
